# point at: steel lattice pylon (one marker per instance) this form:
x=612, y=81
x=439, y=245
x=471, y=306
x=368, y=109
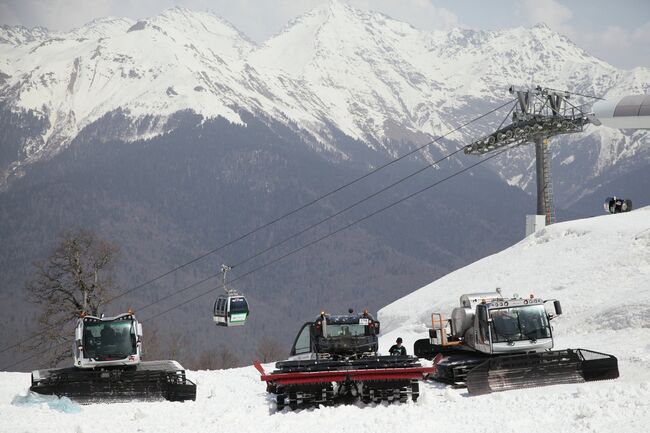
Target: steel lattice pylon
x=537, y=115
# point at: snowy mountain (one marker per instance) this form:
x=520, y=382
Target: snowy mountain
x=19, y=35
x=334, y=70
x=599, y=268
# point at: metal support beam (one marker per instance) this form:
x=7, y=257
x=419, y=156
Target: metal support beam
x=537, y=115
x=544, y=186
x=539, y=167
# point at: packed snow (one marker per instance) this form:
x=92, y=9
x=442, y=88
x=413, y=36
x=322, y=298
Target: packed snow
x=599, y=268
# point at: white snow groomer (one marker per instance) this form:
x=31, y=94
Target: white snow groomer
x=492, y=343
x=108, y=366
x=335, y=358
x=617, y=205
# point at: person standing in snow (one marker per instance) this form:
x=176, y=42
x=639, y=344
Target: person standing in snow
x=397, y=349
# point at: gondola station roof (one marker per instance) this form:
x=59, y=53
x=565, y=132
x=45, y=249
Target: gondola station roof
x=627, y=112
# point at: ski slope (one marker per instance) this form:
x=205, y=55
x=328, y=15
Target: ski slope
x=599, y=268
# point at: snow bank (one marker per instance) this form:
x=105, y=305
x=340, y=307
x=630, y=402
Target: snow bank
x=599, y=268
x=236, y=401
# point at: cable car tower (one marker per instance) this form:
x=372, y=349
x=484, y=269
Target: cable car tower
x=537, y=115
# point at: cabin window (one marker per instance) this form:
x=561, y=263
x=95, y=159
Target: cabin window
x=483, y=324
x=303, y=341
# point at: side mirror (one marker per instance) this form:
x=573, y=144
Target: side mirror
x=558, y=308
x=139, y=330
x=78, y=334
x=377, y=328
x=433, y=333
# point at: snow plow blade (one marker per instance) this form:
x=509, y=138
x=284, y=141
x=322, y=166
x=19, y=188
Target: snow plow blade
x=299, y=384
x=323, y=373
x=541, y=369
x=149, y=381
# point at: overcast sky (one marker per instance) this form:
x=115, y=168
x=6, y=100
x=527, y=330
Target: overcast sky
x=616, y=31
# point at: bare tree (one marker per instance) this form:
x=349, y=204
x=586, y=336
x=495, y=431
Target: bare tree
x=216, y=359
x=76, y=277
x=152, y=346
x=161, y=345
x=268, y=350
x=207, y=360
x=226, y=358
x=177, y=346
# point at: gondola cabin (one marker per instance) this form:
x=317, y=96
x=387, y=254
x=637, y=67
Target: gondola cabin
x=230, y=310
x=617, y=205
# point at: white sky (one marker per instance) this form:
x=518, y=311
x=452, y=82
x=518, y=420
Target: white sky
x=616, y=31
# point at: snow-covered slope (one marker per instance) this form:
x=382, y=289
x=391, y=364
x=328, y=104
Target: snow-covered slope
x=599, y=268
x=334, y=69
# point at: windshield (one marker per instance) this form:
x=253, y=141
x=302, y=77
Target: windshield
x=347, y=330
x=238, y=305
x=520, y=323
x=109, y=340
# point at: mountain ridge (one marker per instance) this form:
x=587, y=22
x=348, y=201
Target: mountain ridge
x=375, y=79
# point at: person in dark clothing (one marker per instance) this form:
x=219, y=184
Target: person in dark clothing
x=397, y=349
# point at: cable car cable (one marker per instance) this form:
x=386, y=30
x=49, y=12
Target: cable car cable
x=229, y=243
x=577, y=94
x=329, y=234
x=277, y=244
x=34, y=355
x=282, y=257
x=312, y=202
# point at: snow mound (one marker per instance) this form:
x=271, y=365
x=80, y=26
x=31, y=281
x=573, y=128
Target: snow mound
x=59, y=404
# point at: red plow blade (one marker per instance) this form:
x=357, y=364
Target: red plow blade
x=357, y=375
x=318, y=382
